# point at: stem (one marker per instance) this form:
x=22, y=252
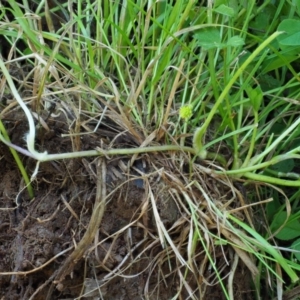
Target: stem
x=249, y=168
x=18, y=161
x=31, y=134
x=272, y=180
x=42, y=157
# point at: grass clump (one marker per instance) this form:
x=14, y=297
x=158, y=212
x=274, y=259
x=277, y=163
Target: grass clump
x=210, y=89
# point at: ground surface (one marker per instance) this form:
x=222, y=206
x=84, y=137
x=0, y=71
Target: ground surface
x=125, y=259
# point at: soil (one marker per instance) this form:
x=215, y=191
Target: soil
x=125, y=258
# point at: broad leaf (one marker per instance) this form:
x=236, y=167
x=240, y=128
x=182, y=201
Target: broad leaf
x=291, y=37
x=209, y=38
x=225, y=10
x=235, y=41
x=291, y=229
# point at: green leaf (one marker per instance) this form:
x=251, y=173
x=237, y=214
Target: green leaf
x=291, y=37
x=273, y=62
x=255, y=96
x=268, y=82
x=296, y=246
x=292, y=40
x=284, y=166
x=209, y=38
x=263, y=20
x=225, y=10
x=235, y=41
x=291, y=229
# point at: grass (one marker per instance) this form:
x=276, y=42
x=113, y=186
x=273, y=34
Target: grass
x=211, y=82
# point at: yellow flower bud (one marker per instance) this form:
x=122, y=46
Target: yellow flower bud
x=185, y=112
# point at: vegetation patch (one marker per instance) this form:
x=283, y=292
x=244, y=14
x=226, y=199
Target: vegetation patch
x=149, y=150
